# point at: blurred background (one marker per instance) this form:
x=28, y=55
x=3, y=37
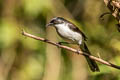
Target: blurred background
x=23, y=58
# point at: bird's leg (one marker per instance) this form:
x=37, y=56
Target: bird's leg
x=78, y=51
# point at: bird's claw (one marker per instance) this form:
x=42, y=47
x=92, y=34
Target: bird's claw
x=77, y=51
x=60, y=43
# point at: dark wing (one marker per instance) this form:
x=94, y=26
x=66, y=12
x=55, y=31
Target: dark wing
x=74, y=28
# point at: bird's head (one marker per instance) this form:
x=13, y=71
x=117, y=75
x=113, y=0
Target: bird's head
x=56, y=21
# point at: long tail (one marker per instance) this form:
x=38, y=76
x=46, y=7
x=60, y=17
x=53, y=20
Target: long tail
x=92, y=64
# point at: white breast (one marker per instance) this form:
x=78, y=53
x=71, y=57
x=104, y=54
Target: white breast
x=64, y=31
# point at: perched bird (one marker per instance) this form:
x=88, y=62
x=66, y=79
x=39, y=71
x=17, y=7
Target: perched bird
x=70, y=32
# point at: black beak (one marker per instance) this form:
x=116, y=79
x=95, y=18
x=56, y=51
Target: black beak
x=49, y=24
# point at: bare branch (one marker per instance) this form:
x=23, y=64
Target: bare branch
x=71, y=49
x=114, y=7
x=116, y=4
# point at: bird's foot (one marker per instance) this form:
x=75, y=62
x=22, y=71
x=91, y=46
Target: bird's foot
x=78, y=51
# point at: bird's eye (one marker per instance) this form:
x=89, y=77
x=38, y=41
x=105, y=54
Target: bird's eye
x=52, y=21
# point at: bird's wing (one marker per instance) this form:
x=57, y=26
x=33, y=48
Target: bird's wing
x=76, y=29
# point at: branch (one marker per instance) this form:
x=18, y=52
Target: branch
x=114, y=7
x=71, y=49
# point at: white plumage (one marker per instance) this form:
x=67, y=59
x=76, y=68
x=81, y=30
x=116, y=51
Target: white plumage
x=65, y=32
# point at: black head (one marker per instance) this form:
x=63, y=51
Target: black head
x=56, y=20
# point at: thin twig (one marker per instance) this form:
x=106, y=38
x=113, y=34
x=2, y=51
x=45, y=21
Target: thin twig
x=102, y=15
x=71, y=49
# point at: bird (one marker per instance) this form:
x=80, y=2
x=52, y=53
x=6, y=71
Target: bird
x=70, y=32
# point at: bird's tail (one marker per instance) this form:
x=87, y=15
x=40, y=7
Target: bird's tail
x=92, y=64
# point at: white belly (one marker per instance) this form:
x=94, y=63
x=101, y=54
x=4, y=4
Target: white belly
x=65, y=32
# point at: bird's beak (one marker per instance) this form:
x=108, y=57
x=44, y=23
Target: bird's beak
x=49, y=24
